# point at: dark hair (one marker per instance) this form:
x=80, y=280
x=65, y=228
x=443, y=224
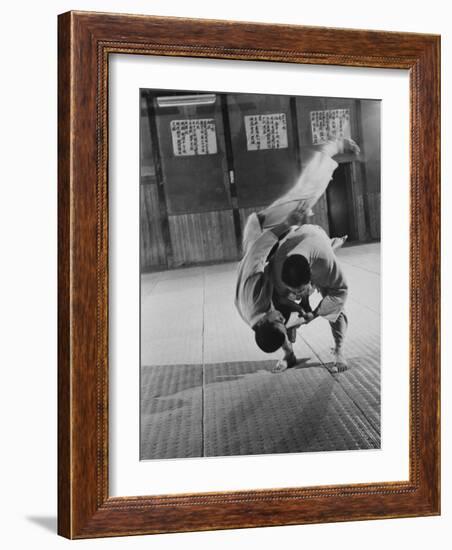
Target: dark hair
x=269, y=337
x=296, y=271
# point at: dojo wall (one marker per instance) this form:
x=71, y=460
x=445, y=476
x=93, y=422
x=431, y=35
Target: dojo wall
x=371, y=133
x=193, y=208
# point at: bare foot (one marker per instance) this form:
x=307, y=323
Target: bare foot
x=338, y=368
x=285, y=363
x=351, y=146
x=337, y=242
x=340, y=363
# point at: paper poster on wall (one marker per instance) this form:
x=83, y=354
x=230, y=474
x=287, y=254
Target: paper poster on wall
x=266, y=131
x=194, y=137
x=330, y=124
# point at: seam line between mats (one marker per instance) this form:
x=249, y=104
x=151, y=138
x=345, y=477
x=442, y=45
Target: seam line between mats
x=376, y=435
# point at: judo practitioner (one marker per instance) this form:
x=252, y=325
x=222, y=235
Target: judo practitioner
x=306, y=261
x=263, y=233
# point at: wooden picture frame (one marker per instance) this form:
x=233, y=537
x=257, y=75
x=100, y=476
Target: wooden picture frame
x=86, y=40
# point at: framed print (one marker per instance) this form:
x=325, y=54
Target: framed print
x=248, y=275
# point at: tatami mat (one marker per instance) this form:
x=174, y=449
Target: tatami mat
x=207, y=390
x=172, y=319
x=171, y=411
x=361, y=381
x=250, y=410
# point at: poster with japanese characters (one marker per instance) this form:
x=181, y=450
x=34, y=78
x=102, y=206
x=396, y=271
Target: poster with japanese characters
x=266, y=131
x=330, y=124
x=194, y=137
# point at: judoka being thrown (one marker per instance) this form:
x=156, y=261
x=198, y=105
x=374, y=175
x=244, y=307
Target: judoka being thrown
x=268, y=292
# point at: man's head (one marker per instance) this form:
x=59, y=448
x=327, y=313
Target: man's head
x=296, y=272
x=270, y=332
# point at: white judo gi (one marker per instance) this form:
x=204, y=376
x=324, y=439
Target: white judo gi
x=254, y=281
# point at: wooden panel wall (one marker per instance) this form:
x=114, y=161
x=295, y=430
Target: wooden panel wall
x=152, y=247
x=375, y=215
x=360, y=217
x=370, y=117
x=204, y=237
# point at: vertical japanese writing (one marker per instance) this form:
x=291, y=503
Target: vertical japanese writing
x=330, y=124
x=194, y=137
x=266, y=131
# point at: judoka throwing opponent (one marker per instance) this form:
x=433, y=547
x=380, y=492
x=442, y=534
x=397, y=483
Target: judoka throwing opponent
x=265, y=296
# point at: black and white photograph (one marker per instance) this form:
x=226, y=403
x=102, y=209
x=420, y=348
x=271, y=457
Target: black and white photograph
x=224, y=234
x=259, y=274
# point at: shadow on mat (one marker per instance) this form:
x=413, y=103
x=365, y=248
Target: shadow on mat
x=306, y=363
x=267, y=414
x=163, y=404
x=230, y=372
x=162, y=381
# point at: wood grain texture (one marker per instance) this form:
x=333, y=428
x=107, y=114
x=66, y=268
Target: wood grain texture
x=152, y=246
x=64, y=295
x=85, y=41
x=201, y=237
